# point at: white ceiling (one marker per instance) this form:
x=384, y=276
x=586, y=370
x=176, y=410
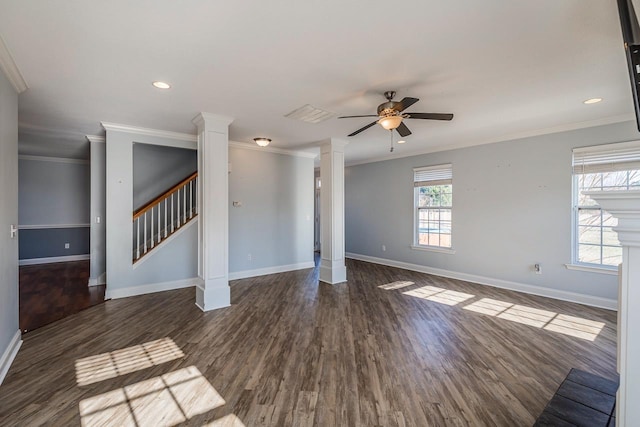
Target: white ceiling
x=505, y=68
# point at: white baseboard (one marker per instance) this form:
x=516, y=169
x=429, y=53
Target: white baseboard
x=101, y=280
x=52, y=259
x=496, y=283
x=9, y=354
x=270, y=270
x=150, y=288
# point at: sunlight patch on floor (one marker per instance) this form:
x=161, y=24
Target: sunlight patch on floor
x=396, y=285
x=439, y=295
x=230, y=420
x=168, y=399
x=548, y=320
x=104, y=366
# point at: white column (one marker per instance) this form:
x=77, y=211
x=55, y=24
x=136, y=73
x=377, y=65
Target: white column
x=98, y=199
x=625, y=206
x=213, y=211
x=332, y=266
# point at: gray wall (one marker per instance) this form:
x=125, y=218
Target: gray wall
x=53, y=193
x=49, y=242
x=512, y=208
x=8, y=213
x=175, y=261
x=275, y=222
x=157, y=168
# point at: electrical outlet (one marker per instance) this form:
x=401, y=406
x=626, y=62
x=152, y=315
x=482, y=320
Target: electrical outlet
x=66, y=246
x=384, y=248
x=249, y=258
x=537, y=268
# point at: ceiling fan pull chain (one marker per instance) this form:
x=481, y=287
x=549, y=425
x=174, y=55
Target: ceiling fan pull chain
x=391, y=133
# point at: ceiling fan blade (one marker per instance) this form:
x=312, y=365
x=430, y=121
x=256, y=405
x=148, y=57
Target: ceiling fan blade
x=350, y=117
x=403, y=130
x=430, y=116
x=405, y=103
x=363, y=129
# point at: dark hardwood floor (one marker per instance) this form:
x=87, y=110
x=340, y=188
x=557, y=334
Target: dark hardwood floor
x=388, y=348
x=50, y=292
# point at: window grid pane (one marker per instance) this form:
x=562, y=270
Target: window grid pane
x=597, y=243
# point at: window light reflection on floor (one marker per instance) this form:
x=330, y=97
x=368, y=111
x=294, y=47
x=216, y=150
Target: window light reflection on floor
x=230, y=420
x=396, y=285
x=442, y=296
x=548, y=320
x=104, y=366
x=168, y=399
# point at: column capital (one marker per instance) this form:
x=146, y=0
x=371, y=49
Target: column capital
x=332, y=144
x=625, y=206
x=213, y=120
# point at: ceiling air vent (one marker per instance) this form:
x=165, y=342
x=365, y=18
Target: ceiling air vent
x=310, y=114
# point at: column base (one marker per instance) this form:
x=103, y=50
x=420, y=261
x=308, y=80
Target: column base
x=213, y=294
x=333, y=272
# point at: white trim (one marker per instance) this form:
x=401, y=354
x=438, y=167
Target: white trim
x=101, y=280
x=433, y=249
x=11, y=69
x=95, y=138
x=149, y=132
x=496, y=283
x=271, y=270
x=152, y=251
x=255, y=147
x=509, y=137
x=592, y=269
x=53, y=159
x=9, y=354
x=53, y=259
x=150, y=288
x=47, y=226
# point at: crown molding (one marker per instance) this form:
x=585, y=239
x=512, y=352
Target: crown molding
x=255, y=147
x=11, y=69
x=509, y=137
x=95, y=138
x=149, y=132
x=53, y=159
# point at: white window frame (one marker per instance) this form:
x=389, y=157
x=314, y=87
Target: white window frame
x=424, y=177
x=595, y=159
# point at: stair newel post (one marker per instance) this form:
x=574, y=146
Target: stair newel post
x=213, y=211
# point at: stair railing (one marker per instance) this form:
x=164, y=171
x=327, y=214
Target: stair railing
x=164, y=215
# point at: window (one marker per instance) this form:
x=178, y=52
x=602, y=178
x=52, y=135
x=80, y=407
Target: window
x=433, y=193
x=600, y=168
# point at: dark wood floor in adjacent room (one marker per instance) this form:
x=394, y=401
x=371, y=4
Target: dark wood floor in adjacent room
x=50, y=292
x=388, y=348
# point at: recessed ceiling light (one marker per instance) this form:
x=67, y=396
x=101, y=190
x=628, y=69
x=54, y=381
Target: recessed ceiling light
x=592, y=101
x=161, y=85
x=402, y=141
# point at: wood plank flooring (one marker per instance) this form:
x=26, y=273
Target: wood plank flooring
x=388, y=348
x=50, y=292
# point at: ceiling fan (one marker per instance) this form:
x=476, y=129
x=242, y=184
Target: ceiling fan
x=390, y=115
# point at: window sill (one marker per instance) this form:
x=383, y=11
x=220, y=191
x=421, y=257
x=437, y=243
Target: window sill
x=591, y=269
x=433, y=249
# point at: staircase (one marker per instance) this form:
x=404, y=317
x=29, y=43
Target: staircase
x=163, y=216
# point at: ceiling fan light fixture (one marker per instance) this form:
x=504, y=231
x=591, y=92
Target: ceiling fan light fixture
x=390, y=122
x=261, y=141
